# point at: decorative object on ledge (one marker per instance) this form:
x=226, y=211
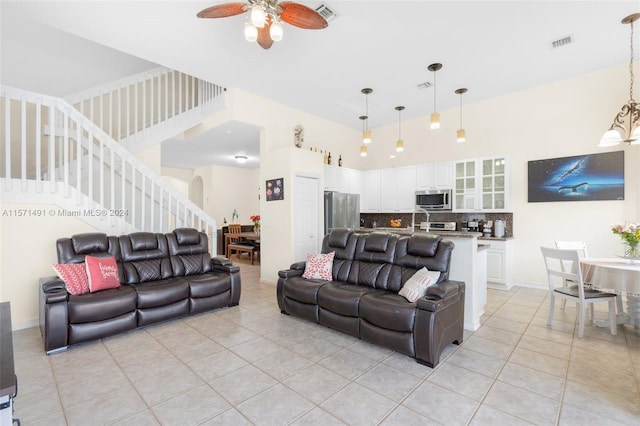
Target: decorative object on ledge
x=621, y=131
x=264, y=24
x=435, y=116
x=460, y=134
x=630, y=234
x=400, y=142
x=579, y=178
x=366, y=132
x=298, y=135
x=363, y=148
x=275, y=189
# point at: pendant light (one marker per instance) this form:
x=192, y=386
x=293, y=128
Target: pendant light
x=619, y=130
x=400, y=142
x=366, y=133
x=435, y=116
x=460, y=134
x=363, y=147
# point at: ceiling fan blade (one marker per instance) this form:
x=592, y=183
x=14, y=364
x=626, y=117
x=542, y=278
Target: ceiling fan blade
x=264, y=37
x=302, y=16
x=222, y=10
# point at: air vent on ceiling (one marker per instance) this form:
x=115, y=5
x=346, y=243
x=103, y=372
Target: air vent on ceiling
x=424, y=85
x=562, y=41
x=326, y=12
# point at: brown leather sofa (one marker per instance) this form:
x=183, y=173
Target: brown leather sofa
x=362, y=300
x=162, y=276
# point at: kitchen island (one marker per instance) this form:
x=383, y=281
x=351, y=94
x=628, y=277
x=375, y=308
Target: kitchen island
x=468, y=264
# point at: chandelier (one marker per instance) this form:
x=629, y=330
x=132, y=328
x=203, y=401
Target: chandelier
x=625, y=126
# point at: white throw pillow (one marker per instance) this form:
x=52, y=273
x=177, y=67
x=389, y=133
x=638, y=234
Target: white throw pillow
x=416, y=286
x=319, y=266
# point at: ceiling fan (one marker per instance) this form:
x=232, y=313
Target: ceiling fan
x=264, y=25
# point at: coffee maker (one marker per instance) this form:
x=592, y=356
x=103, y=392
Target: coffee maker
x=472, y=226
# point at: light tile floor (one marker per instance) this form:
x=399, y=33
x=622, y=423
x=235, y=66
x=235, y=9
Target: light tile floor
x=252, y=365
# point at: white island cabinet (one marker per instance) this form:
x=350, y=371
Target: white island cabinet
x=500, y=264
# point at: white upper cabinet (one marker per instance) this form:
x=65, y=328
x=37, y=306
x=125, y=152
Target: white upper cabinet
x=342, y=179
x=435, y=175
x=482, y=185
x=407, y=189
x=370, y=198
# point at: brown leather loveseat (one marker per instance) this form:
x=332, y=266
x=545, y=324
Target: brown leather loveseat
x=362, y=300
x=162, y=276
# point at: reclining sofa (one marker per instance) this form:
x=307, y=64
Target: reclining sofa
x=362, y=300
x=162, y=276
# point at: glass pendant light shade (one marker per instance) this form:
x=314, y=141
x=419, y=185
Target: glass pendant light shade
x=461, y=136
x=635, y=137
x=276, y=31
x=400, y=142
x=250, y=32
x=610, y=138
x=363, y=151
x=258, y=16
x=399, y=145
x=435, y=120
x=366, y=136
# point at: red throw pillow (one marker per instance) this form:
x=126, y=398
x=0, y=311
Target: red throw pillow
x=102, y=273
x=74, y=276
x=319, y=266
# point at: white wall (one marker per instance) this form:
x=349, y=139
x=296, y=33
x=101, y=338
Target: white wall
x=564, y=118
x=28, y=250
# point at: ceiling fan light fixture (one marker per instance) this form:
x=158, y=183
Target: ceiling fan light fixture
x=250, y=32
x=258, y=16
x=276, y=31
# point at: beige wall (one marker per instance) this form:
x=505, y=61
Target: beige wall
x=28, y=250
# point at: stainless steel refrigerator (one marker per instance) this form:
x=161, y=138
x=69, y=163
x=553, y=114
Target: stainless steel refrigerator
x=341, y=210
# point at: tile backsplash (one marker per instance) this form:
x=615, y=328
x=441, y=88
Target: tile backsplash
x=384, y=219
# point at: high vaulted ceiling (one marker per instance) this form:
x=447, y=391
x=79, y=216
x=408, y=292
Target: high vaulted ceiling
x=492, y=48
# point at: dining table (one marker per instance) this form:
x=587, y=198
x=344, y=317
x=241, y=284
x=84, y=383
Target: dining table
x=617, y=275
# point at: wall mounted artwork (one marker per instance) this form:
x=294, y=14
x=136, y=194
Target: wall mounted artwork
x=579, y=178
x=275, y=189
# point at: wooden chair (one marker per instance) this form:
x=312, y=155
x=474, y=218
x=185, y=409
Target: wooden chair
x=555, y=260
x=237, y=245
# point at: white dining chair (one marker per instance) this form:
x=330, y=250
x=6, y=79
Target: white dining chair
x=581, y=247
x=559, y=276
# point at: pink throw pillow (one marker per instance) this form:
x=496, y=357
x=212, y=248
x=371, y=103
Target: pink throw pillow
x=74, y=276
x=102, y=273
x=319, y=266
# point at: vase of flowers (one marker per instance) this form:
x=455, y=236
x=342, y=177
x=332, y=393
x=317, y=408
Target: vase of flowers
x=256, y=223
x=630, y=234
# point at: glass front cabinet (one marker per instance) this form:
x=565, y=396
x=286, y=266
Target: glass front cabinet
x=482, y=185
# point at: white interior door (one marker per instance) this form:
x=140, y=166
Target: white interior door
x=306, y=205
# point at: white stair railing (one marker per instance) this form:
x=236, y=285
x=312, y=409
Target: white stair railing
x=91, y=169
x=141, y=110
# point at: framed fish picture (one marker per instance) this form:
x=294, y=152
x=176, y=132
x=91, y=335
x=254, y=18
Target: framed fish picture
x=274, y=189
x=579, y=178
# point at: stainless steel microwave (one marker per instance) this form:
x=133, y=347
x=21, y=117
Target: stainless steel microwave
x=434, y=199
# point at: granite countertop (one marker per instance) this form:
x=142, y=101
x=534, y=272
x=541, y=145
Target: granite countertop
x=408, y=231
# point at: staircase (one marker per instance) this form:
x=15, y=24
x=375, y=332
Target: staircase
x=78, y=156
